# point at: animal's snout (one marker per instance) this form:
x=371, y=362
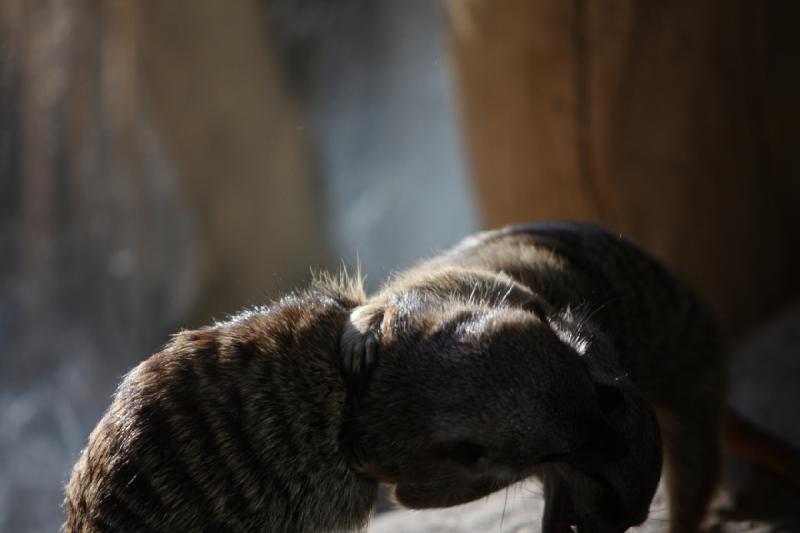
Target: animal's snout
x=606, y=440
x=606, y=444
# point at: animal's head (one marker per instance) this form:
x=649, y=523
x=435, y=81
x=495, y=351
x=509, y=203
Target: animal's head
x=466, y=398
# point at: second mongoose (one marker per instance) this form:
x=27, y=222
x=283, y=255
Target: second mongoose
x=557, y=350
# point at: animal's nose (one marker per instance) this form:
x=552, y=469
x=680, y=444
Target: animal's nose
x=610, y=399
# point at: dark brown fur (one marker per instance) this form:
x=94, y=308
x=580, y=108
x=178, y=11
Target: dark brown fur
x=540, y=350
x=233, y=427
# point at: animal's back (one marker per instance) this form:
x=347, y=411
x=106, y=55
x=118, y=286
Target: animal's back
x=664, y=333
x=234, y=427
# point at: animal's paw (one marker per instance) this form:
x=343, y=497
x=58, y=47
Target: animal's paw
x=358, y=357
x=360, y=347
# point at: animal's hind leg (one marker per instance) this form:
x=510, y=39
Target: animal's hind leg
x=692, y=446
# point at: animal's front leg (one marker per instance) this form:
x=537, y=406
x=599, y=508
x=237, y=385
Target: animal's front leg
x=692, y=446
x=358, y=349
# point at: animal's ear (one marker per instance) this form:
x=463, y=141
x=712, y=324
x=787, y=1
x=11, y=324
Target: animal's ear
x=359, y=344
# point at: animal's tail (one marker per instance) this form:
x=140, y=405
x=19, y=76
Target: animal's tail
x=745, y=439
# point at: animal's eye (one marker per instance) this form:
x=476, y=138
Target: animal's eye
x=465, y=452
x=610, y=398
x=536, y=307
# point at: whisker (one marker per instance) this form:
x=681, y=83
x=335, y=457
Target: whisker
x=506, y=295
x=503, y=516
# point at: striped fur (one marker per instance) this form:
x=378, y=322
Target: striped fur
x=234, y=427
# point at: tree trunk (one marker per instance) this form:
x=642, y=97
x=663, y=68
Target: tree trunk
x=676, y=123
x=153, y=175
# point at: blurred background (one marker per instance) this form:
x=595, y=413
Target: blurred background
x=163, y=164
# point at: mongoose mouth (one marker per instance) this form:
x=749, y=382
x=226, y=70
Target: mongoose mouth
x=564, y=514
x=563, y=519
x=432, y=495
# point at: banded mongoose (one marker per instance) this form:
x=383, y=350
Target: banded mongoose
x=234, y=427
